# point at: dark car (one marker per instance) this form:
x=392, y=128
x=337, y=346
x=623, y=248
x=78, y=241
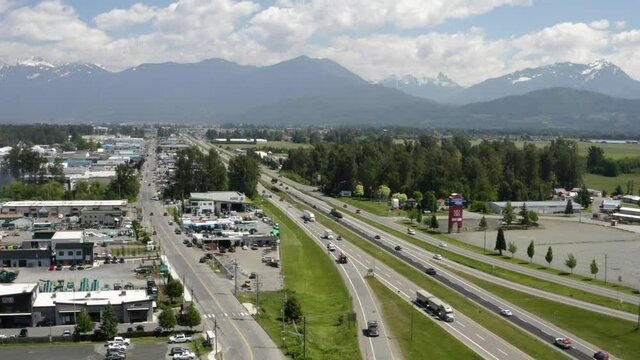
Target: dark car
x=601, y=355
x=107, y=261
x=372, y=329
x=151, y=213
x=58, y=267
x=377, y=237
x=23, y=333
x=430, y=271
x=121, y=261
x=177, y=350
x=155, y=232
x=203, y=260
x=185, y=241
x=165, y=214
x=398, y=248
x=73, y=267
x=209, y=256
x=80, y=267
x=140, y=327
x=178, y=231
x=189, y=244
x=253, y=275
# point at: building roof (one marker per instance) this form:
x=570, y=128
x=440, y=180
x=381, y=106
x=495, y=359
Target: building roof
x=222, y=196
x=68, y=235
x=16, y=288
x=74, y=203
x=89, y=298
x=537, y=204
x=74, y=245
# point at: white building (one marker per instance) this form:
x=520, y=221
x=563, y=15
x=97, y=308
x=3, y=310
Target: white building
x=541, y=207
x=220, y=201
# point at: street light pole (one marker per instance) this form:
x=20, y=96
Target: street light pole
x=412, y=321
x=484, y=246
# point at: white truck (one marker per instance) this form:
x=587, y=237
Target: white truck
x=180, y=338
x=308, y=215
x=119, y=340
x=435, y=305
x=328, y=234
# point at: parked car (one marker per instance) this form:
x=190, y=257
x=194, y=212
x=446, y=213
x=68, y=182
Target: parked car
x=151, y=213
x=121, y=261
x=66, y=332
x=372, y=329
x=165, y=214
x=23, y=333
x=80, y=267
x=431, y=271
x=178, y=232
x=107, y=261
x=58, y=267
x=563, y=343
x=140, y=327
x=185, y=241
x=179, y=338
x=203, y=260
x=73, y=267
x=191, y=244
x=254, y=247
x=116, y=346
x=116, y=356
x=187, y=355
x=253, y=275
x=52, y=267
x=119, y=340
x=506, y=312
x=177, y=350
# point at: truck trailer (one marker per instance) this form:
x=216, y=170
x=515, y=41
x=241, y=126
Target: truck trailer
x=309, y=216
x=435, y=305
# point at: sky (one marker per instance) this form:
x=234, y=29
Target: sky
x=467, y=40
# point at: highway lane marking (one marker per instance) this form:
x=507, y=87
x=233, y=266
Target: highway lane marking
x=461, y=324
x=398, y=282
x=502, y=351
x=473, y=342
x=387, y=275
x=481, y=338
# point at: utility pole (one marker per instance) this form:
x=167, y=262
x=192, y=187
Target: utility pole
x=411, y=321
x=605, y=268
x=257, y=293
x=235, y=277
x=215, y=335
x=484, y=246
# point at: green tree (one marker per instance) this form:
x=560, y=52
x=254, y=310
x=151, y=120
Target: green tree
x=109, y=323
x=568, y=210
x=512, y=248
x=507, y=213
x=531, y=250
x=57, y=170
x=501, y=243
x=483, y=223
x=617, y=191
x=84, y=324
x=594, y=268
x=583, y=198
x=384, y=192
x=549, y=257
x=595, y=156
x=430, y=202
x=571, y=262
x=419, y=217
x=359, y=190
x=413, y=214
x=125, y=184
x=292, y=309
x=167, y=319
x=174, y=289
x=243, y=174
x=434, y=223
x=524, y=214
x=533, y=217
x=418, y=197
x=192, y=317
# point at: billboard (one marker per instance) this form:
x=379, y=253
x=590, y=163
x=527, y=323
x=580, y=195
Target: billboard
x=456, y=212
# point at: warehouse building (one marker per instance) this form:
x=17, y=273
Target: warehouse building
x=216, y=201
x=541, y=207
x=35, y=208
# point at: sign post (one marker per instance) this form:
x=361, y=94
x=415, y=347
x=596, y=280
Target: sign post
x=456, y=208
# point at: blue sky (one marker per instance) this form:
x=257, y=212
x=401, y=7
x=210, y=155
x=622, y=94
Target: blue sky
x=469, y=40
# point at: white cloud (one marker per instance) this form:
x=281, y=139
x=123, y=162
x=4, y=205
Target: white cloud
x=599, y=24
x=119, y=18
x=620, y=24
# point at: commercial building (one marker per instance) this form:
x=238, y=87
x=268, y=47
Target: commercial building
x=25, y=258
x=541, y=207
x=36, y=208
x=109, y=218
x=24, y=305
x=216, y=201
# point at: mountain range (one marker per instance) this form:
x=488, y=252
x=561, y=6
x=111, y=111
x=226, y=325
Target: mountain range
x=304, y=91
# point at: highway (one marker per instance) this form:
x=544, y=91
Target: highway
x=364, y=302
x=240, y=336
x=420, y=259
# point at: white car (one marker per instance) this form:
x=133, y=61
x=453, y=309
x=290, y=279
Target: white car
x=437, y=257
x=411, y=232
x=180, y=338
x=187, y=355
x=331, y=247
x=3, y=336
x=121, y=340
x=116, y=346
x=506, y=312
x=442, y=244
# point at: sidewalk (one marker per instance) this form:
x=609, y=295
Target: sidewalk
x=174, y=274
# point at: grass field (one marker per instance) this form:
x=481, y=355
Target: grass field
x=490, y=321
x=614, y=151
x=609, y=184
x=619, y=337
x=375, y=207
x=421, y=338
x=311, y=276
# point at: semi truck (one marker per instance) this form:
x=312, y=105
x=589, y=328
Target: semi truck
x=435, y=305
x=309, y=216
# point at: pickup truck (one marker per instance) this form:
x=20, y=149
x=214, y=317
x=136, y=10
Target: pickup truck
x=180, y=338
x=119, y=340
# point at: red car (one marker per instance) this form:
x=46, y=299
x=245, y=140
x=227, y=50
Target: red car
x=52, y=267
x=563, y=343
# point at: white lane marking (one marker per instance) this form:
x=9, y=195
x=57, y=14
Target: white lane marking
x=461, y=324
x=473, y=342
x=481, y=338
x=387, y=275
x=398, y=282
x=367, y=261
x=502, y=351
x=225, y=314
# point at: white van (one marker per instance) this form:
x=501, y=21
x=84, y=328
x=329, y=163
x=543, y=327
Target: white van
x=331, y=247
x=328, y=234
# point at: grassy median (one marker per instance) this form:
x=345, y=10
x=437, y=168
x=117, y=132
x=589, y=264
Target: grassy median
x=311, y=277
x=421, y=338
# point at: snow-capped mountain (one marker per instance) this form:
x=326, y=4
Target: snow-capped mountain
x=439, y=88
x=600, y=76
x=39, y=70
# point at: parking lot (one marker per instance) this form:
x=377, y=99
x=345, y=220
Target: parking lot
x=145, y=350
x=251, y=261
x=105, y=274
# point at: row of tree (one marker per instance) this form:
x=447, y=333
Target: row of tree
x=496, y=170
x=199, y=172
x=571, y=261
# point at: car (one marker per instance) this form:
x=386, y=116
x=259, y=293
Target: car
x=119, y=340
x=179, y=338
x=159, y=331
x=140, y=327
x=506, y=312
x=107, y=261
x=191, y=244
x=73, y=268
x=80, y=267
x=254, y=247
x=376, y=237
x=563, y=343
x=66, y=332
x=52, y=267
x=372, y=328
x=151, y=214
x=398, y=248
x=245, y=247
x=209, y=256
x=203, y=260
x=165, y=214
x=23, y=333
x=430, y=271
x=441, y=244
x=253, y=275
x=601, y=355
x=185, y=241
x=177, y=350
x=187, y=355
x=437, y=257
x=178, y=231
x=116, y=356
x=411, y=231
x=358, y=211
x=155, y=232
x=58, y=267
x=116, y=346
x=121, y=261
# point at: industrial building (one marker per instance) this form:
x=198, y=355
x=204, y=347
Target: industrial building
x=541, y=207
x=37, y=208
x=216, y=201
